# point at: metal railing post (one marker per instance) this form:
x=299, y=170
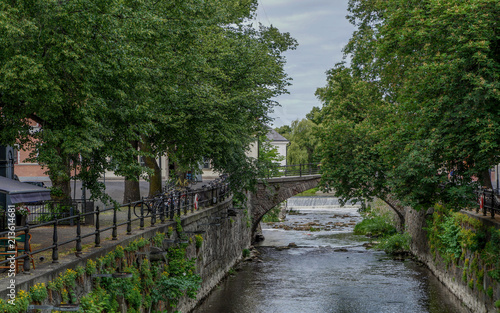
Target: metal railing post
x=27, y=253
x=114, y=232
x=171, y=211
x=162, y=210
x=153, y=213
x=484, y=203
x=179, y=203
x=55, y=252
x=97, y=231
x=141, y=219
x=78, y=236
x=129, y=219
x=192, y=202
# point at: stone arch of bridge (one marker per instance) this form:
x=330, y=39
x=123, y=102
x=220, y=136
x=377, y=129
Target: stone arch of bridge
x=271, y=192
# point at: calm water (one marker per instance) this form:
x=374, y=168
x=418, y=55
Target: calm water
x=329, y=271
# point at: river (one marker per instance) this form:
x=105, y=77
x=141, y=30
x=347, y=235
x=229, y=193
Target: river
x=329, y=270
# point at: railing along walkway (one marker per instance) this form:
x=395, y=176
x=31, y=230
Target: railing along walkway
x=488, y=201
x=52, y=238
x=293, y=170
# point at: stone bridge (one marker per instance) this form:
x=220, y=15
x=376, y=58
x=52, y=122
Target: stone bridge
x=272, y=191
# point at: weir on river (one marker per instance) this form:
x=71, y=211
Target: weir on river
x=313, y=262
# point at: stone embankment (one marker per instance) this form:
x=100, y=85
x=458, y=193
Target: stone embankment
x=226, y=233
x=476, y=290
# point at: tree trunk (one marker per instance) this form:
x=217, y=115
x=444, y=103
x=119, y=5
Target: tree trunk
x=155, y=179
x=485, y=179
x=132, y=191
x=61, y=182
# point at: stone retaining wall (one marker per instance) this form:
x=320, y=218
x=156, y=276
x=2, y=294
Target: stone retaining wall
x=224, y=239
x=451, y=275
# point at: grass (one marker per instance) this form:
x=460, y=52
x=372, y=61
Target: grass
x=308, y=193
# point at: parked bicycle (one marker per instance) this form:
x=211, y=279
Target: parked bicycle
x=152, y=206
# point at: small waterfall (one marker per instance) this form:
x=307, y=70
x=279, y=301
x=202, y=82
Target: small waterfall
x=295, y=202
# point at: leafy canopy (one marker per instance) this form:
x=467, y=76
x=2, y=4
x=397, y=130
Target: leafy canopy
x=189, y=77
x=419, y=100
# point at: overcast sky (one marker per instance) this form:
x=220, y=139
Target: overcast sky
x=321, y=29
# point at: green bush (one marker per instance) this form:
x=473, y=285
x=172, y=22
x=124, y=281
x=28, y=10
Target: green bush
x=397, y=243
x=375, y=225
x=246, y=253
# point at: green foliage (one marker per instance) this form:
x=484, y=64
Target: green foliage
x=178, y=225
x=158, y=239
x=198, y=241
x=246, y=253
x=375, y=224
x=150, y=282
x=489, y=292
x=38, y=292
x=111, y=81
x=170, y=231
x=308, y=193
x=497, y=304
x=303, y=142
x=418, y=100
x=97, y=301
x=272, y=216
x=394, y=244
x=450, y=238
x=20, y=304
x=269, y=158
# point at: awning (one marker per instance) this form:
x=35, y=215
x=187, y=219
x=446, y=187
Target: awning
x=22, y=192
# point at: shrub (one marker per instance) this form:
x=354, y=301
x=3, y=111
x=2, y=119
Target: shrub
x=246, y=253
x=375, y=225
x=397, y=243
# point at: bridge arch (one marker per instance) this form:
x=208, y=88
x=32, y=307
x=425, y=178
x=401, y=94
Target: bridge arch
x=272, y=191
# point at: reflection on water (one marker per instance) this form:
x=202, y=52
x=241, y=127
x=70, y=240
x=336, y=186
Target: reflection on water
x=317, y=277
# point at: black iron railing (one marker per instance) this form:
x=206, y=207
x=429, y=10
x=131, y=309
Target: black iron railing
x=293, y=170
x=159, y=209
x=488, y=201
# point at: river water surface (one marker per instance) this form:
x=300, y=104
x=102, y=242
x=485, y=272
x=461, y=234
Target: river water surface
x=329, y=271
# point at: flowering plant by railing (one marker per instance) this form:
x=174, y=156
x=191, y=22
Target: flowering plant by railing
x=22, y=210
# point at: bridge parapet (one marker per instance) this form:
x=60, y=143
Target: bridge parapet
x=272, y=191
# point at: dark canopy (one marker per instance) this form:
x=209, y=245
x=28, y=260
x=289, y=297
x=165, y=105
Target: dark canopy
x=22, y=192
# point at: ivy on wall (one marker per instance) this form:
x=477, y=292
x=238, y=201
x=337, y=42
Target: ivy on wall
x=461, y=240
x=155, y=286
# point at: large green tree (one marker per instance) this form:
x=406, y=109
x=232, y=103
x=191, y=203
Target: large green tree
x=111, y=81
x=70, y=67
x=433, y=69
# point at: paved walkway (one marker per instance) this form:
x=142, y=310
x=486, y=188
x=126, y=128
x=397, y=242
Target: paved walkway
x=42, y=237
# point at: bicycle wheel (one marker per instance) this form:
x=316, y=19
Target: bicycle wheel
x=145, y=209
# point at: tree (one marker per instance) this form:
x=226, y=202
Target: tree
x=303, y=142
x=435, y=65
x=68, y=67
x=112, y=81
x=315, y=115
x=350, y=136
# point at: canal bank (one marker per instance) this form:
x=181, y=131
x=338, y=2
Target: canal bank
x=466, y=275
x=326, y=269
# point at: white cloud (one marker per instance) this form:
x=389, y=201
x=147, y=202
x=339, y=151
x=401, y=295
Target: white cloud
x=321, y=30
